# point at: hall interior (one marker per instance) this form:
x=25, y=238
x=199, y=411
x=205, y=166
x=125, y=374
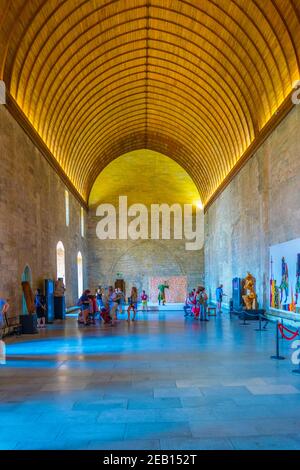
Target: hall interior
x=177, y=103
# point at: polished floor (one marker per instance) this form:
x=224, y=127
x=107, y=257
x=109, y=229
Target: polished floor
x=160, y=383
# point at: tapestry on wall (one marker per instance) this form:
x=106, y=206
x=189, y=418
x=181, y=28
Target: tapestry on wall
x=176, y=292
x=285, y=276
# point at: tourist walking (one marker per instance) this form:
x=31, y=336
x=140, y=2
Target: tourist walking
x=40, y=308
x=133, y=301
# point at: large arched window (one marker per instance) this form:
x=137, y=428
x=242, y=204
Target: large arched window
x=60, y=261
x=80, y=273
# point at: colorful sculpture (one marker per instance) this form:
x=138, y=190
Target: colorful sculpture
x=284, y=286
x=161, y=293
x=250, y=297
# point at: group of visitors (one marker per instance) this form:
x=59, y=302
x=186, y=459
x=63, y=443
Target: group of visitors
x=196, y=303
x=107, y=303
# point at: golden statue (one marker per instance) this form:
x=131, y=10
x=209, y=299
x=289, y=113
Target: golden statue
x=250, y=298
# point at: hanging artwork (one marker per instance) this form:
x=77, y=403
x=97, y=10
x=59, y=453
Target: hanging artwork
x=176, y=293
x=285, y=276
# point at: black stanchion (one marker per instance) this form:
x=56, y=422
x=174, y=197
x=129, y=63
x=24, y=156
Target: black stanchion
x=260, y=328
x=244, y=318
x=277, y=357
x=281, y=321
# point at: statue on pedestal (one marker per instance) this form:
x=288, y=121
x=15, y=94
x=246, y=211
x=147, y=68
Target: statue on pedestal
x=250, y=298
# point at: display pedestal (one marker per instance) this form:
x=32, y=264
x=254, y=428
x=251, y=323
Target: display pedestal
x=59, y=308
x=251, y=315
x=28, y=324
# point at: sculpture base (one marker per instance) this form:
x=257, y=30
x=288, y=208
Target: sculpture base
x=251, y=314
x=28, y=324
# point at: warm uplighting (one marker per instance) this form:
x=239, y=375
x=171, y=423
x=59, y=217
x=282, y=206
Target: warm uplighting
x=199, y=204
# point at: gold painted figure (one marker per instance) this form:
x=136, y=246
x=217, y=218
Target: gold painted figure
x=250, y=298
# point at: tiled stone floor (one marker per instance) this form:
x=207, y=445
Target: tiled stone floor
x=161, y=383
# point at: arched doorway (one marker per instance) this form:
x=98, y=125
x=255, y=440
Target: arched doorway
x=80, y=273
x=60, y=261
x=26, y=277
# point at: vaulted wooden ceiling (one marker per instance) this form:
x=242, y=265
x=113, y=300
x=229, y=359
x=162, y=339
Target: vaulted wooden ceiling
x=195, y=80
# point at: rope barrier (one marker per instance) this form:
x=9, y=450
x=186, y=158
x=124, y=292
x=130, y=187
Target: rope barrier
x=283, y=328
x=277, y=355
x=246, y=312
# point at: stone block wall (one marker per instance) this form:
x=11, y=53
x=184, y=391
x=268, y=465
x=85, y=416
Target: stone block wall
x=259, y=208
x=140, y=260
x=32, y=217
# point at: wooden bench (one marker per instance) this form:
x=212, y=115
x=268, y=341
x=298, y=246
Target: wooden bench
x=73, y=310
x=11, y=325
x=212, y=311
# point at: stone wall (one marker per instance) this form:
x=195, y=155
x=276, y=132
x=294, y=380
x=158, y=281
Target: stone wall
x=259, y=208
x=32, y=217
x=140, y=260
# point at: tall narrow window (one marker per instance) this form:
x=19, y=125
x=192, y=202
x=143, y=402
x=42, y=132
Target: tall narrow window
x=80, y=274
x=82, y=221
x=60, y=261
x=67, y=204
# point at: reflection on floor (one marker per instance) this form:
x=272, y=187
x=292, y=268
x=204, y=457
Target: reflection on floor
x=159, y=383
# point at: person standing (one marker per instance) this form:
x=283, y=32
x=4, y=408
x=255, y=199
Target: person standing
x=120, y=300
x=144, y=299
x=189, y=301
x=84, y=303
x=114, y=299
x=4, y=308
x=93, y=309
x=219, y=298
x=40, y=308
x=105, y=309
x=203, y=305
x=99, y=298
x=133, y=304
x=196, y=304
